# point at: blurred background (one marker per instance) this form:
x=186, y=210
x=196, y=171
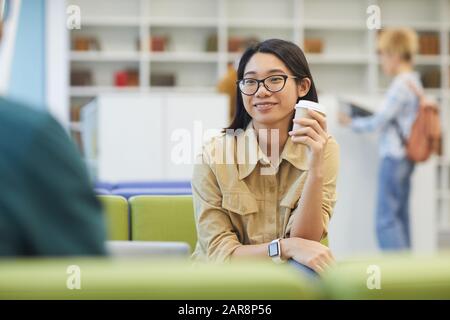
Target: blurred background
x=133, y=80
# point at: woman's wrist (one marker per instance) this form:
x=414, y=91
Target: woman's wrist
x=286, y=248
x=315, y=170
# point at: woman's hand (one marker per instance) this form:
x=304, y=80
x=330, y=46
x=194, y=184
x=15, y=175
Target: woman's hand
x=313, y=133
x=310, y=253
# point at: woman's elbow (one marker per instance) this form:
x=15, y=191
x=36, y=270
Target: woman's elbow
x=313, y=235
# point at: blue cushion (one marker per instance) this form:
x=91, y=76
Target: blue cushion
x=131, y=192
x=153, y=184
x=102, y=192
x=104, y=185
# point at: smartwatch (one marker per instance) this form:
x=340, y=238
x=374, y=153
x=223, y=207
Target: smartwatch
x=274, y=251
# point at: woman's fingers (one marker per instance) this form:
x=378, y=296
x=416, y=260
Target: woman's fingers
x=304, y=139
x=307, y=131
x=320, y=265
x=309, y=137
x=327, y=262
x=319, y=118
x=323, y=264
x=305, y=122
x=313, y=254
x=332, y=259
x=317, y=268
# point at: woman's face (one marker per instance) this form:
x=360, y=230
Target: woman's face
x=269, y=108
x=389, y=62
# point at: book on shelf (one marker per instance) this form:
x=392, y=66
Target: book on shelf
x=162, y=80
x=429, y=44
x=126, y=78
x=313, y=45
x=84, y=43
x=158, y=43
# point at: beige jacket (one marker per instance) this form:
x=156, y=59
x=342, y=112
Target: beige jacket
x=237, y=203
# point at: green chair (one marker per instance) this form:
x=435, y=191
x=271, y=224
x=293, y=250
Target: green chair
x=75, y=279
x=116, y=216
x=163, y=218
x=390, y=277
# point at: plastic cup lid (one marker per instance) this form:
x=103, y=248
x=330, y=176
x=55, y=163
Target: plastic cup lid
x=311, y=105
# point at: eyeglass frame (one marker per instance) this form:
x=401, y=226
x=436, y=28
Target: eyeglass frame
x=284, y=76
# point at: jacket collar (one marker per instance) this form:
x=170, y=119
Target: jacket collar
x=295, y=154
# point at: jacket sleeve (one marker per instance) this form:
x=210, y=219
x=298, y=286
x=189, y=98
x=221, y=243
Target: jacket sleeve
x=392, y=104
x=217, y=238
x=329, y=197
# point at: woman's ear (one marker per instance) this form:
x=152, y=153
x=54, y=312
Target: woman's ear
x=303, y=87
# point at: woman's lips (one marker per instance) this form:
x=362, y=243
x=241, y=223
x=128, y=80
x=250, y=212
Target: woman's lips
x=264, y=107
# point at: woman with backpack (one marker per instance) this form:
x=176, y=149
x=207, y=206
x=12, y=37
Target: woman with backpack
x=394, y=120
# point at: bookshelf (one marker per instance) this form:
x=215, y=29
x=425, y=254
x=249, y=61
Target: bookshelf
x=348, y=44
x=124, y=28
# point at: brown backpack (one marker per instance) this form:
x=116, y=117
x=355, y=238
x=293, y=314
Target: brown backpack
x=425, y=138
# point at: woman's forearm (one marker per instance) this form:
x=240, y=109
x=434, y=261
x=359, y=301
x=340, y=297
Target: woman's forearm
x=308, y=223
x=261, y=251
x=309, y=253
x=250, y=251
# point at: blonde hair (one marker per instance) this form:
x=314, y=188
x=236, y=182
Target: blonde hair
x=401, y=41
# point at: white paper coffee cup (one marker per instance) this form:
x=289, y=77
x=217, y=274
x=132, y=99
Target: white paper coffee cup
x=301, y=110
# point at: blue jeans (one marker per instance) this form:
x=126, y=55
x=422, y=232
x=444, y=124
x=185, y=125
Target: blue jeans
x=392, y=215
x=304, y=270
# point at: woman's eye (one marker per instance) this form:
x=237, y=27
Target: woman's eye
x=249, y=82
x=276, y=79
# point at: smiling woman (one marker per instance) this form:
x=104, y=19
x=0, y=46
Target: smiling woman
x=244, y=210
x=272, y=58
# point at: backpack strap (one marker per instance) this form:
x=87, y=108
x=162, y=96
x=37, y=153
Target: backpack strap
x=420, y=94
x=399, y=132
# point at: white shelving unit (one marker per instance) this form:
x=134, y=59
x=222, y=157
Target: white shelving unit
x=348, y=64
x=349, y=45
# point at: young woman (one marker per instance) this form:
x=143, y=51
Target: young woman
x=394, y=120
x=243, y=205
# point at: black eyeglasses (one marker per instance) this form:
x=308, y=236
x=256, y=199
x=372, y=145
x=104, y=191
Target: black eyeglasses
x=275, y=83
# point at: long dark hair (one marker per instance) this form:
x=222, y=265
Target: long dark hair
x=292, y=56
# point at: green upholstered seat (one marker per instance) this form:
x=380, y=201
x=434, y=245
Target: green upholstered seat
x=401, y=277
x=163, y=218
x=156, y=280
x=116, y=217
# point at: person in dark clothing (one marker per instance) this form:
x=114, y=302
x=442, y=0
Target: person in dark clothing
x=47, y=206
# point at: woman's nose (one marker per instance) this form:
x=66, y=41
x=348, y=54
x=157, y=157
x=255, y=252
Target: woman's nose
x=263, y=92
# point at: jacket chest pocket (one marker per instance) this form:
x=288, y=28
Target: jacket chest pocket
x=239, y=203
x=293, y=195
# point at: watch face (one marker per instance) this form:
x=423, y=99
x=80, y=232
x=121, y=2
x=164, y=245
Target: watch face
x=273, y=249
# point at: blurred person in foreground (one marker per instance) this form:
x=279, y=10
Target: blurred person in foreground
x=394, y=120
x=47, y=206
